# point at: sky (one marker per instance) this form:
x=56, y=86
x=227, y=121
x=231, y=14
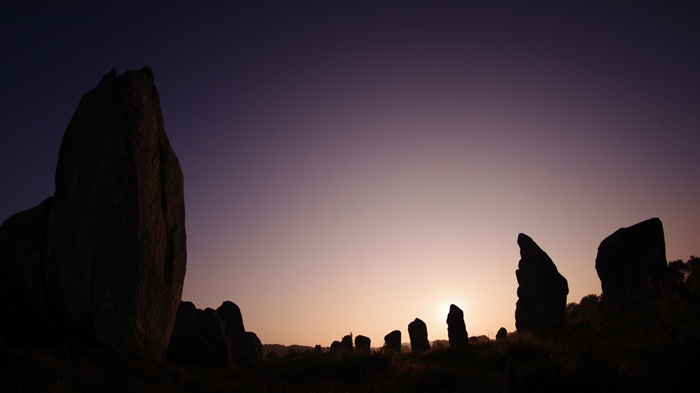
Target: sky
x=350, y=166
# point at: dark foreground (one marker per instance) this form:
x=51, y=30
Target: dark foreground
x=654, y=350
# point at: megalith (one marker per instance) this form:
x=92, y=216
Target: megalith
x=456, y=328
x=542, y=291
x=630, y=264
x=392, y=341
x=199, y=338
x=230, y=314
x=418, y=332
x=255, y=345
x=362, y=343
x=111, y=263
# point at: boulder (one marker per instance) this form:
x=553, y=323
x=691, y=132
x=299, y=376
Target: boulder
x=362, y=343
x=346, y=343
x=392, y=341
x=418, y=332
x=230, y=314
x=255, y=345
x=111, y=264
x=456, y=329
x=318, y=350
x=630, y=264
x=542, y=291
x=502, y=334
x=199, y=338
x=272, y=355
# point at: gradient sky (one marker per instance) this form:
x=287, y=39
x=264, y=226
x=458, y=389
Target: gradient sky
x=352, y=166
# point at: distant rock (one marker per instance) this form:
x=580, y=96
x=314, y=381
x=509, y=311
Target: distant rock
x=456, y=328
x=199, y=338
x=541, y=305
x=363, y=344
x=318, y=350
x=502, y=334
x=392, y=341
x=110, y=262
x=346, y=343
x=230, y=314
x=418, y=332
x=335, y=346
x=474, y=339
x=630, y=264
x=255, y=345
x=272, y=355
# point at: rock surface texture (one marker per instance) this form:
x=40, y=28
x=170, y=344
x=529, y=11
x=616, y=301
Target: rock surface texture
x=630, y=264
x=418, y=332
x=542, y=291
x=456, y=328
x=103, y=260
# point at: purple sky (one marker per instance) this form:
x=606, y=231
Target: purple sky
x=349, y=168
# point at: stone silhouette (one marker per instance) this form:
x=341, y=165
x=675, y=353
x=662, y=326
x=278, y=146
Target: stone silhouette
x=362, y=343
x=272, y=355
x=392, y=341
x=541, y=305
x=418, y=332
x=230, y=314
x=456, y=328
x=346, y=343
x=335, y=346
x=318, y=350
x=103, y=260
x=630, y=264
x=502, y=334
x=199, y=337
x=255, y=345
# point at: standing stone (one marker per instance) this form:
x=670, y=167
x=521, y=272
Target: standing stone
x=111, y=264
x=318, y=350
x=199, y=338
x=255, y=345
x=456, y=329
x=392, y=341
x=346, y=343
x=363, y=344
x=502, y=334
x=630, y=264
x=335, y=346
x=541, y=305
x=418, y=332
x=230, y=314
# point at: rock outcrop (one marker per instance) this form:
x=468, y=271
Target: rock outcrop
x=103, y=261
x=542, y=291
x=456, y=328
x=363, y=343
x=230, y=314
x=392, y=341
x=199, y=337
x=335, y=346
x=418, y=332
x=630, y=264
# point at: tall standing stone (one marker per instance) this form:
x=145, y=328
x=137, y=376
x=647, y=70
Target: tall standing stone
x=541, y=305
x=363, y=343
x=631, y=263
x=112, y=258
x=418, y=332
x=456, y=328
